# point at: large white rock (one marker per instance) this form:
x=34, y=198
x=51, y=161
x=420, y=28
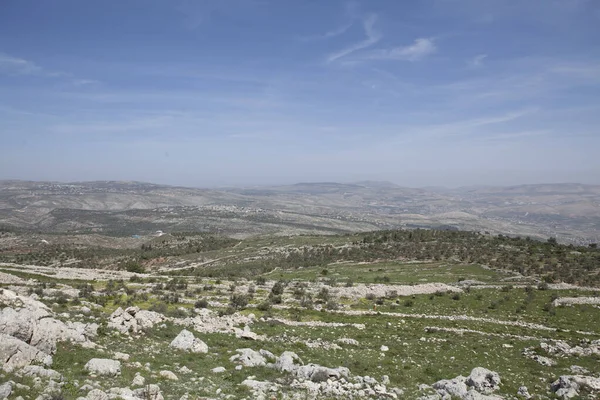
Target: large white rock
x=454, y=387
x=168, y=375
x=31, y=321
x=286, y=362
x=103, y=366
x=37, y=370
x=150, y=392
x=97, y=394
x=483, y=380
x=186, y=341
x=15, y=353
x=249, y=358
x=133, y=320
x=567, y=386
x=317, y=373
x=138, y=380
x=5, y=390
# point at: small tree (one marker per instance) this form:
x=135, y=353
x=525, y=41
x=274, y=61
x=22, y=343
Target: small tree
x=238, y=301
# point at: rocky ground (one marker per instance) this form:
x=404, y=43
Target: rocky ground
x=99, y=335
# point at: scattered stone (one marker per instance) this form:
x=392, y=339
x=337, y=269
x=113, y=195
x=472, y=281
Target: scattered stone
x=218, y=370
x=5, y=390
x=249, y=358
x=133, y=320
x=39, y=371
x=246, y=333
x=577, y=370
x=97, y=394
x=103, y=366
x=121, y=356
x=523, y=392
x=352, y=342
x=186, y=341
x=150, y=392
x=138, y=380
x=168, y=375
x=384, y=348
x=185, y=370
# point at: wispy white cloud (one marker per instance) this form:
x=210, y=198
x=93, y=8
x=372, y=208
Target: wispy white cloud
x=329, y=34
x=515, y=135
x=18, y=66
x=477, y=61
x=84, y=82
x=421, y=48
x=373, y=36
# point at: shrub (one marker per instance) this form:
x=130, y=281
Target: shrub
x=455, y=296
x=408, y=303
x=228, y=311
x=261, y=280
x=306, y=302
x=264, y=306
x=323, y=295
x=159, y=307
x=332, y=305
x=370, y=296
x=543, y=286
x=134, y=266
x=275, y=299
x=202, y=303
x=277, y=289
x=238, y=301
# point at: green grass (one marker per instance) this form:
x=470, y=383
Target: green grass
x=393, y=272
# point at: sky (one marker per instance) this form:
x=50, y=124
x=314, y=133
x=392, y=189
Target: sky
x=212, y=93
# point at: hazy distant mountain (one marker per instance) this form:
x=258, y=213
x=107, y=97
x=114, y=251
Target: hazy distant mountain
x=568, y=211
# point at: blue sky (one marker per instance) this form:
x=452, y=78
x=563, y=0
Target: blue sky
x=244, y=92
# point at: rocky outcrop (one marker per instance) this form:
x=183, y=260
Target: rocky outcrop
x=103, y=366
x=5, y=390
x=187, y=342
x=31, y=323
x=562, y=349
x=477, y=386
x=569, y=386
x=249, y=358
x=314, y=380
x=15, y=353
x=483, y=380
x=41, y=372
x=208, y=321
x=523, y=392
x=133, y=320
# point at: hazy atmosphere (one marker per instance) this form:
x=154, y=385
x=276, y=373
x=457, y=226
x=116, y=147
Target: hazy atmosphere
x=239, y=92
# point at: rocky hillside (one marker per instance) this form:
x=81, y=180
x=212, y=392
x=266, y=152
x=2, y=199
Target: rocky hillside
x=380, y=315
x=569, y=212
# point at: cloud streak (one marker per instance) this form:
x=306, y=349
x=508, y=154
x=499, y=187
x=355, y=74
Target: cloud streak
x=477, y=61
x=18, y=66
x=373, y=36
x=421, y=48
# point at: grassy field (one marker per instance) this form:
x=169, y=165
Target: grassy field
x=429, y=336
